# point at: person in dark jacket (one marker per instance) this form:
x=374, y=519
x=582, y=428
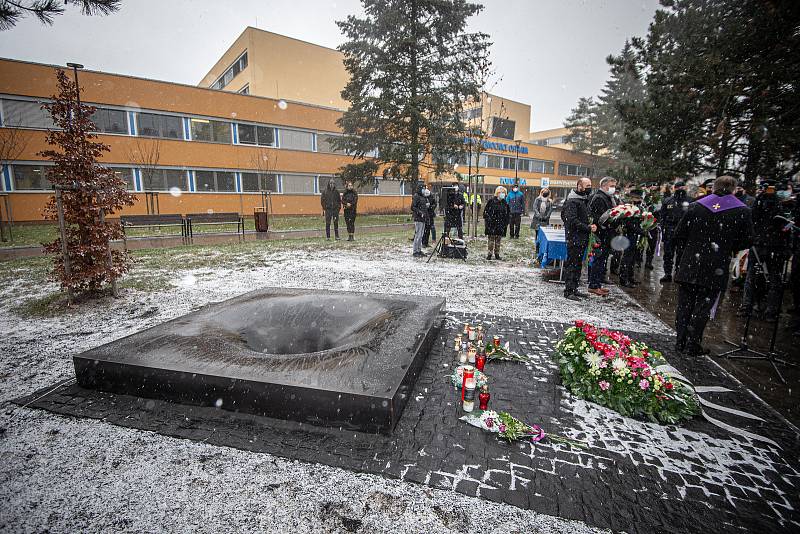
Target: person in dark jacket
x=770, y=251
x=577, y=228
x=714, y=228
x=742, y=195
x=454, y=210
x=430, y=226
x=496, y=216
x=419, y=212
x=631, y=229
x=331, y=204
x=350, y=203
x=672, y=210
x=600, y=202
x=516, y=203
x=542, y=210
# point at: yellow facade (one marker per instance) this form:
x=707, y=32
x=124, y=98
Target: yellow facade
x=555, y=137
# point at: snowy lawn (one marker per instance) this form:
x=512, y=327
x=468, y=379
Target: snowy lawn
x=61, y=474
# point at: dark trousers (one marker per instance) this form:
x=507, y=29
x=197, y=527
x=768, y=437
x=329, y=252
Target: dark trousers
x=672, y=252
x=628, y=262
x=597, y=267
x=430, y=232
x=350, y=220
x=515, y=222
x=331, y=215
x=573, y=265
x=759, y=285
x=795, y=280
x=458, y=227
x=692, y=314
x=648, y=253
x=616, y=259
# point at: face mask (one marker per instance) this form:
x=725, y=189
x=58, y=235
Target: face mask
x=585, y=191
x=783, y=195
x=545, y=195
x=612, y=190
x=501, y=196
x=426, y=192
x=514, y=189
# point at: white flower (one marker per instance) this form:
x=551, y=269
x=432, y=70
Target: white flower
x=593, y=359
x=618, y=364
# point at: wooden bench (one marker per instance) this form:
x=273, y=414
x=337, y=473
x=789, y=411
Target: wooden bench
x=204, y=219
x=152, y=221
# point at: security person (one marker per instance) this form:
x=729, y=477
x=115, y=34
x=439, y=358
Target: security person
x=631, y=229
x=672, y=210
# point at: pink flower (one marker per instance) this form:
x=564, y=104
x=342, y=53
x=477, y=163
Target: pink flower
x=644, y=384
x=646, y=373
x=604, y=385
x=603, y=364
x=489, y=422
x=538, y=433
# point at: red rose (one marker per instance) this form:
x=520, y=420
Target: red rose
x=669, y=385
x=579, y=323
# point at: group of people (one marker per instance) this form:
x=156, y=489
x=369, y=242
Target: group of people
x=332, y=203
x=701, y=235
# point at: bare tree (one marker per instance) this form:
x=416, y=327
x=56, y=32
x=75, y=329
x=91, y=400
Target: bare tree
x=145, y=154
x=13, y=143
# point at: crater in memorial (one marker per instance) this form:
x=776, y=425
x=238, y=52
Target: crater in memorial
x=328, y=358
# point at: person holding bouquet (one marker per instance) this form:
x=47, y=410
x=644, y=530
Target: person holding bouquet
x=577, y=228
x=601, y=202
x=631, y=229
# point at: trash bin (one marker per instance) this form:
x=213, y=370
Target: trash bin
x=262, y=222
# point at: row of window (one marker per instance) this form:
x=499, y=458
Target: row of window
x=26, y=113
x=568, y=169
x=559, y=140
x=238, y=66
x=34, y=178
x=494, y=161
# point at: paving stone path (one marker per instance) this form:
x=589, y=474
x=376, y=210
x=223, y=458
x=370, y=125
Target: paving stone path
x=636, y=476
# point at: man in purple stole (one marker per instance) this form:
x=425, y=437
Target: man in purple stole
x=714, y=227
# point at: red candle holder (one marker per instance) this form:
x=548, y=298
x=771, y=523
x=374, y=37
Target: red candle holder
x=483, y=398
x=480, y=361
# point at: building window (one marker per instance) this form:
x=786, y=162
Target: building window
x=252, y=181
x=26, y=114
x=324, y=144
x=126, y=175
x=524, y=165
x=503, y=128
x=211, y=131
x=154, y=125
x=30, y=177
x=110, y=121
x=298, y=183
x=163, y=179
x=238, y=66
x=249, y=134
x=221, y=181
x=389, y=187
x=568, y=169
x=244, y=90
x=297, y=140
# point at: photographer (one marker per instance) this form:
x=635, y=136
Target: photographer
x=770, y=250
x=419, y=212
x=454, y=211
x=430, y=226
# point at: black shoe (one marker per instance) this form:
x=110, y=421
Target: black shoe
x=680, y=346
x=696, y=351
x=582, y=295
x=338, y=238
x=350, y=238
x=627, y=284
x=667, y=278
x=488, y=256
x=770, y=318
x=572, y=296
x=497, y=257
x=418, y=254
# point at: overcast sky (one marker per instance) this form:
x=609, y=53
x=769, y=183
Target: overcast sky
x=546, y=53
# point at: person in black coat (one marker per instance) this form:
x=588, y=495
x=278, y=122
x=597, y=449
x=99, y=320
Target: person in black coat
x=600, y=202
x=454, y=210
x=350, y=203
x=331, y=204
x=713, y=229
x=419, y=212
x=577, y=228
x=430, y=227
x=496, y=216
x=631, y=229
x=670, y=214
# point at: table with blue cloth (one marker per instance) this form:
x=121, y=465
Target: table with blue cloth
x=551, y=244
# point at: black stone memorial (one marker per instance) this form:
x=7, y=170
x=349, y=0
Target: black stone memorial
x=327, y=358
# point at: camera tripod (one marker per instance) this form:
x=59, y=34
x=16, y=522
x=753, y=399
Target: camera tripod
x=440, y=244
x=743, y=350
x=446, y=192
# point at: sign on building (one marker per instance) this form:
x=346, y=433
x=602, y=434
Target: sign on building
x=544, y=181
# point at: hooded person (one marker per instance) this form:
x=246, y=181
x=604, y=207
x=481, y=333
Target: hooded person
x=350, y=203
x=577, y=228
x=496, y=216
x=516, y=203
x=419, y=211
x=670, y=214
x=331, y=204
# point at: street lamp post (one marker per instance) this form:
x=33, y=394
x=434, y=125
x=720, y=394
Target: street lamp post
x=516, y=163
x=75, y=67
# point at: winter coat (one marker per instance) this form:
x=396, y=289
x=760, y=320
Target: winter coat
x=710, y=237
x=599, y=203
x=767, y=230
x=331, y=200
x=350, y=197
x=516, y=202
x=537, y=209
x=431, y=215
x=455, y=205
x=672, y=211
x=496, y=215
x=419, y=207
x=575, y=215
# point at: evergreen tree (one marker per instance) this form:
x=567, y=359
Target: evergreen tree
x=90, y=193
x=582, y=124
x=412, y=65
x=45, y=10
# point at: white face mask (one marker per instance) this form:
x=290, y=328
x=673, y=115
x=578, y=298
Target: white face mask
x=501, y=196
x=515, y=189
x=612, y=190
x=426, y=192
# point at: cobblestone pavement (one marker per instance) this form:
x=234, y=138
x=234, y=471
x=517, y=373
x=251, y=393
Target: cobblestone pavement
x=636, y=476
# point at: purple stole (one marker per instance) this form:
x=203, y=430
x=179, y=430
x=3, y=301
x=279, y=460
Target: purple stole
x=716, y=204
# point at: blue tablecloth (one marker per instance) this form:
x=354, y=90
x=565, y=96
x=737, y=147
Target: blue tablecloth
x=551, y=244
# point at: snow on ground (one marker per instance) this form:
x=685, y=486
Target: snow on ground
x=62, y=474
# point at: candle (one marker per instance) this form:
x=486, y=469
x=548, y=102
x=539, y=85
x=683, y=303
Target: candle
x=472, y=333
x=458, y=343
x=496, y=340
x=468, y=373
x=471, y=353
x=480, y=361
